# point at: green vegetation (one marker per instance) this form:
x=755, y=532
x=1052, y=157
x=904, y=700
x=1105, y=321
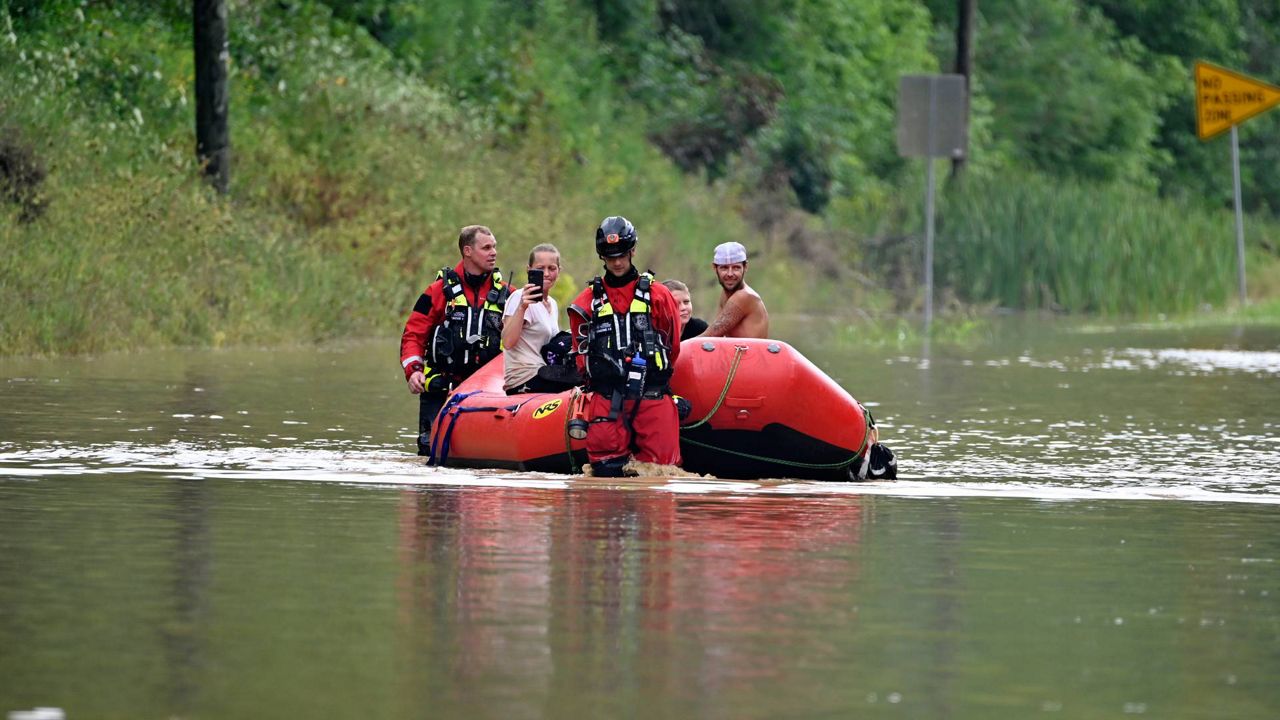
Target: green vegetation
x=351, y=180
x=1067, y=246
x=364, y=133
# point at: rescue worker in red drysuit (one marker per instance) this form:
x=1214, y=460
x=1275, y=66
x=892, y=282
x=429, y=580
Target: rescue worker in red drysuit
x=455, y=327
x=626, y=329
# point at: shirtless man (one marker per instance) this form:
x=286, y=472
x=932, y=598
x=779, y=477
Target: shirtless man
x=741, y=312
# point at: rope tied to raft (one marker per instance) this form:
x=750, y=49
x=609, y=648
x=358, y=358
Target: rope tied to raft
x=453, y=408
x=568, y=417
x=739, y=350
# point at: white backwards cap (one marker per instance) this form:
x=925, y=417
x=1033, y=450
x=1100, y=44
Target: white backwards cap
x=730, y=253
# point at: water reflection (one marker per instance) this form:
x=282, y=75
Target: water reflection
x=474, y=589
x=183, y=636
x=210, y=535
x=543, y=592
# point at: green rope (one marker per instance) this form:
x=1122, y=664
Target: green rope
x=568, y=441
x=733, y=370
x=788, y=463
x=866, y=435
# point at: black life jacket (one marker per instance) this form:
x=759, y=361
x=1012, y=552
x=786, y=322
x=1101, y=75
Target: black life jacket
x=469, y=336
x=613, y=339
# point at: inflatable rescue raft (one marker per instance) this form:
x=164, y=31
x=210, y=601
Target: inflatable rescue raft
x=760, y=410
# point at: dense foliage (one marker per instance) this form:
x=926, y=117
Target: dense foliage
x=803, y=91
x=364, y=132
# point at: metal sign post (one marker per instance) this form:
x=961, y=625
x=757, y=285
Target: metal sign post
x=931, y=124
x=1235, y=176
x=928, y=202
x=1224, y=99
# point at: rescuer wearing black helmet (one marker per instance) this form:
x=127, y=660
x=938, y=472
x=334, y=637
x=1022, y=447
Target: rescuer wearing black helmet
x=626, y=328
x=615, y=237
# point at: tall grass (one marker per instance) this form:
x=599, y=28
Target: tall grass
x=350, y=181
x=1029, y=242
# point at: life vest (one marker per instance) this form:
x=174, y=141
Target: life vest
x=613, y=340
x=468, y=337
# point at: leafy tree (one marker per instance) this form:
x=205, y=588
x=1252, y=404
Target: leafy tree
x=1260, y=151
x=806, y=88
x=836, y=126
x=1182, y=33
x=1070, y=94
x=1235, y=33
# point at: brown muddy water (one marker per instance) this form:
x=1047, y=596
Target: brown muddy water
x=1087, y=525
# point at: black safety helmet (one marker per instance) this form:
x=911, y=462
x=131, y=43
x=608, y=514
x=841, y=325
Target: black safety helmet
x=615, y=237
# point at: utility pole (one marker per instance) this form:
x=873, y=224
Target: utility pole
x=964, y=66
x=213, y=144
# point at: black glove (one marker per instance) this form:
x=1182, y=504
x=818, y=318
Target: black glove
x=437, y=384
x=683, y=407
x=883, y=465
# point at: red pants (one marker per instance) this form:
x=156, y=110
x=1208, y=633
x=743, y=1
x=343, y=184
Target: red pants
x=656, y=425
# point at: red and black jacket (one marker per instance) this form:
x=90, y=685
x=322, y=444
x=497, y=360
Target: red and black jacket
x=455, y=327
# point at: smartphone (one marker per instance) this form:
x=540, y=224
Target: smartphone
x=536, y=278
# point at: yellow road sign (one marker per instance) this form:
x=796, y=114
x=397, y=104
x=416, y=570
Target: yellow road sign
x=1225, y=98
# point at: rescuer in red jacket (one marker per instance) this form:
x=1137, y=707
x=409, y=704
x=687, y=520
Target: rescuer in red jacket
x=455, y=327
x=626, y=329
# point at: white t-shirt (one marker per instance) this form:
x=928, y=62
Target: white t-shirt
x=540, y=325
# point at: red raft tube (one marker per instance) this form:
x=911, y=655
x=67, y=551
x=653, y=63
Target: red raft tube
x=760, y=410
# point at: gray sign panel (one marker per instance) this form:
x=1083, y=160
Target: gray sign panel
x=931, y=116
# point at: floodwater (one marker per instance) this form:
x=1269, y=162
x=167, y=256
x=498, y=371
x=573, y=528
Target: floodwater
x=1087, y=525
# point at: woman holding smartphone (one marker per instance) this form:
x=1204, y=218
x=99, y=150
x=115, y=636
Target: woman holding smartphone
x=530, y=319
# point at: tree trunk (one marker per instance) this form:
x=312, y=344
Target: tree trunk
x=211, y=59
x=964, y=66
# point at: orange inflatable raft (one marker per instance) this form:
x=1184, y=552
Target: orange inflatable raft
x=760, y=410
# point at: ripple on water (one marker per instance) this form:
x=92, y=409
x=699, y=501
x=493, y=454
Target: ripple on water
x=1049, y=421
x=1200, y=361
x=929, y=478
